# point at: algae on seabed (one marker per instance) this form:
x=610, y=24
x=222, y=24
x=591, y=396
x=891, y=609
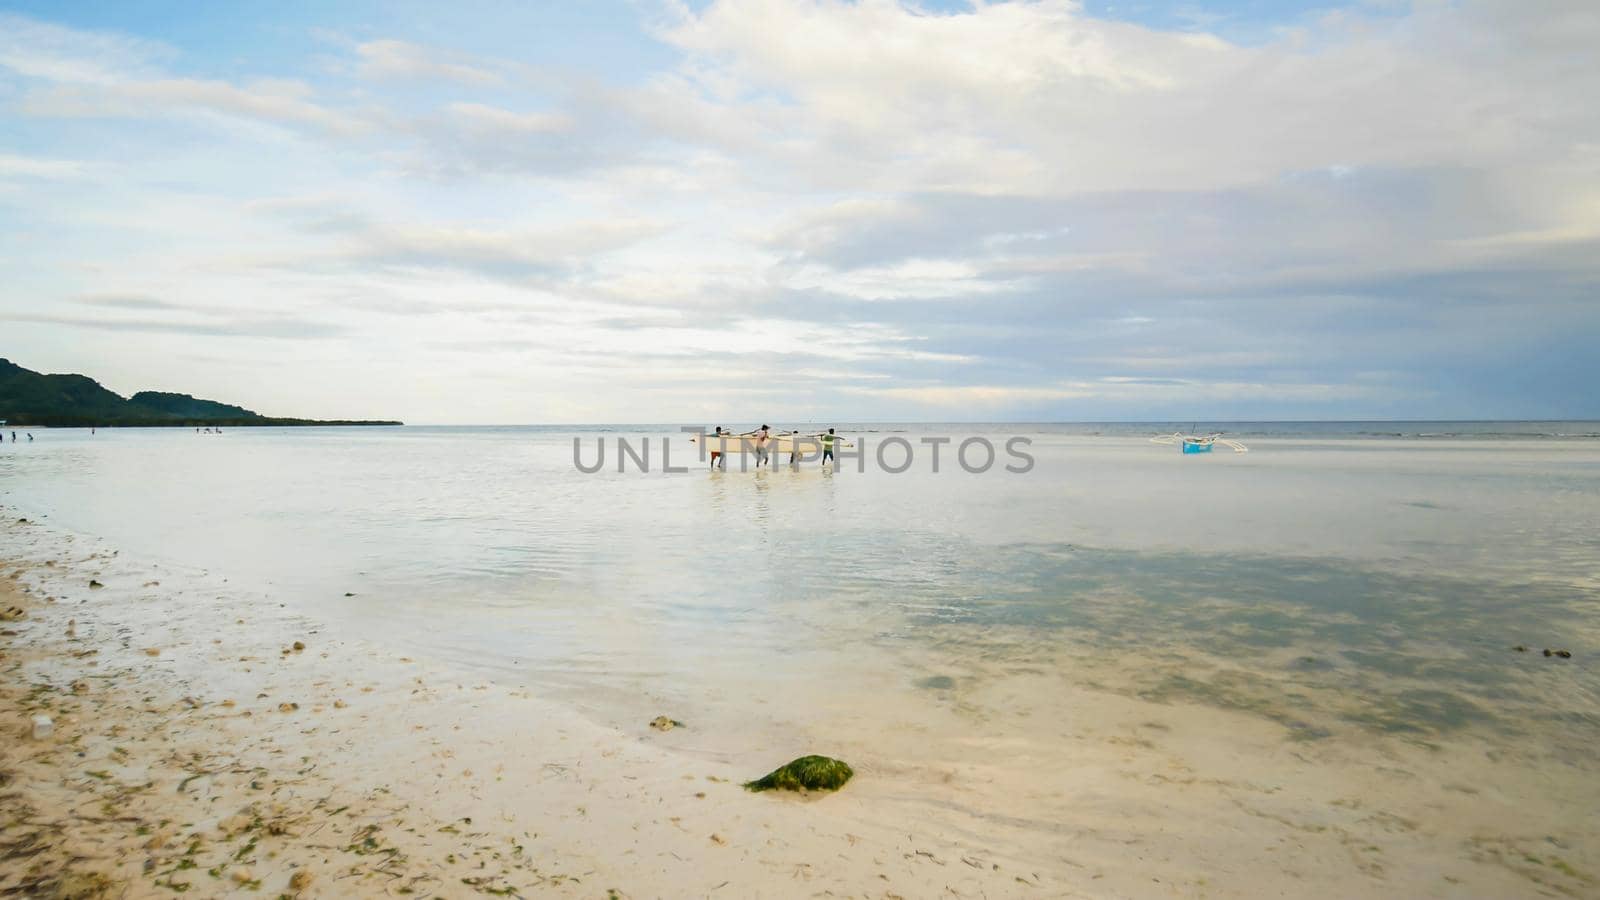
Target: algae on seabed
x=808, y=773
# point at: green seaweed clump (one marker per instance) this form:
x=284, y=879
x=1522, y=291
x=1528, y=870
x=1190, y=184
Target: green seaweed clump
x=808, y=773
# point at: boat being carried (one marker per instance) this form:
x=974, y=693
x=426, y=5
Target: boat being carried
x=785, y=442
x=1194, y=443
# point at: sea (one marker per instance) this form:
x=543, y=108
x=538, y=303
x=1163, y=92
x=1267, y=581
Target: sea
x=1352, y=595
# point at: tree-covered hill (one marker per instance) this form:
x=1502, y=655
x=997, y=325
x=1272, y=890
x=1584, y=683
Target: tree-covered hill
x=30, y=398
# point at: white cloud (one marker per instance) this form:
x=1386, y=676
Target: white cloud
x=1035, y=98
x=569, y=244
x=281, y=102
x=37, y=167
x=975, y=399
x=912, y=279
x=86, y=74
x=493, y=118
x=35, y=49
x=398, y=59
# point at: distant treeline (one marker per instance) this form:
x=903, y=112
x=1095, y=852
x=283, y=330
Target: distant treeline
x=77, y=401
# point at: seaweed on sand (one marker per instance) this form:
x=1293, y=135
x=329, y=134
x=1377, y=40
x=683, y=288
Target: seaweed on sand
x=808, y=773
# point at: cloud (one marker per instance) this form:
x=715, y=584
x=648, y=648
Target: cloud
x=385, y=59
x=972, y=400
x=495, y=120
x=73, y=73
x=509, y=253
x=35, y=49
x=1290, y=236
x=36, y=167
x=462, y=141
x=280, y=102
x=277, y=328
x=1042, y=99
x=70, y=74
x=911, y=279
x=115, y=301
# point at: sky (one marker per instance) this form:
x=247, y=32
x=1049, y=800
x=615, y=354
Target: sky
x=798, y=211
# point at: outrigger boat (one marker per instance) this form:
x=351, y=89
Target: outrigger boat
x=1192, y=443
x=787, y=442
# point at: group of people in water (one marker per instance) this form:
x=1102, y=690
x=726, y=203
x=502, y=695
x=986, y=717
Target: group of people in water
x=14, y=436
x=761, y=438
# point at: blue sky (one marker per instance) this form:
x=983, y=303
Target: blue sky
x=788, y=210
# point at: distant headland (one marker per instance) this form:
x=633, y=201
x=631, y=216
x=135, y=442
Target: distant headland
x=78, y=401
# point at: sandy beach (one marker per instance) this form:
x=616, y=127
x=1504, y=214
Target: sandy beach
x=210, y=740
x=195, y=749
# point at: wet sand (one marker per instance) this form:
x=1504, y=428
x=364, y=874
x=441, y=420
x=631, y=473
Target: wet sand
x=197, y=750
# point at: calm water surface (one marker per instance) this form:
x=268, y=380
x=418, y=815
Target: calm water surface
x=1340, y=579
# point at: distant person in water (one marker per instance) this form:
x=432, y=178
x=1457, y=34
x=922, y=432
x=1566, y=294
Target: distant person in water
x=30, y=436
x=827, y=447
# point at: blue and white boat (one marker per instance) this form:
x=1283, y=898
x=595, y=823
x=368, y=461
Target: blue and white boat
x=1193, y=443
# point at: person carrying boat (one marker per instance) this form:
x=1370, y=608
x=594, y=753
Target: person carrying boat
x=827, y=447
x=716, y=455
x=763, y=434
